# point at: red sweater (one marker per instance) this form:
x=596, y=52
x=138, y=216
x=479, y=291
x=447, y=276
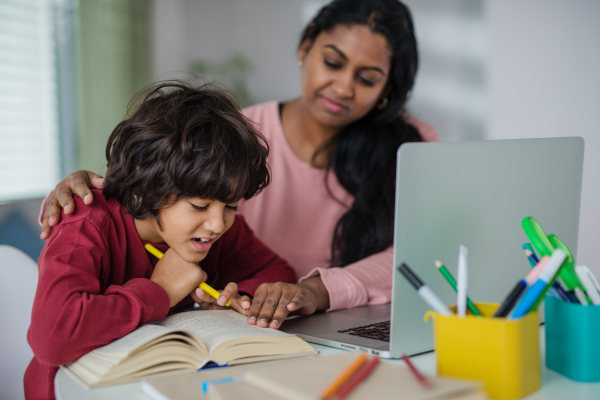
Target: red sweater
x=94, y=285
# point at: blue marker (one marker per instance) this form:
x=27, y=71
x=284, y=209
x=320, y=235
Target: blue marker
x=205, y=384
x=538, y=289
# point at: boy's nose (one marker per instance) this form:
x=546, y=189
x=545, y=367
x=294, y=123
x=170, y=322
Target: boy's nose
x=216, y=222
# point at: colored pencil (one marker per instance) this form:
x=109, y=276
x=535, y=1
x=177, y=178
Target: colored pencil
x=420, y=377
x=203, y=285
x=344, y=377
x=360, y=376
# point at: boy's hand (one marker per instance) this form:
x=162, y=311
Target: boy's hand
x=78, y=183
x=176, y=276
x=274, y=301
x=240, y=303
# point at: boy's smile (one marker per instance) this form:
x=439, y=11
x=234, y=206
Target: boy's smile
x=188, y=226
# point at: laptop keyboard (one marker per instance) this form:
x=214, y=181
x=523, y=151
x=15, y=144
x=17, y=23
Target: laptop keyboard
x=377, y=331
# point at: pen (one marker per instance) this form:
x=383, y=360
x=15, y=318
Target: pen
x=444, y=271
x=515, y=294
x=344, y=377
x=538, y=289
x=423, y=291
x=358, y=378
x=461, y=285
x=205, y=384
x=586, y=278
x=420, y=377
x=203, y=285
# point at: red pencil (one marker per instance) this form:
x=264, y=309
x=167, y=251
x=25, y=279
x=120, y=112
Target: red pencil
x=420, y=377
x=357, y=378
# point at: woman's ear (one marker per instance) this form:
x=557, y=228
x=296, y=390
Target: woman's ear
x=303, y=50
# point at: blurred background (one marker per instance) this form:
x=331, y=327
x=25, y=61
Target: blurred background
x=489, y=69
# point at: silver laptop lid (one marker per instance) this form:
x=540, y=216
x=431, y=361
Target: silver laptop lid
x=476, y=194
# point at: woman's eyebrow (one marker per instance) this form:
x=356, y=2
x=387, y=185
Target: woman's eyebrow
x=341, y=53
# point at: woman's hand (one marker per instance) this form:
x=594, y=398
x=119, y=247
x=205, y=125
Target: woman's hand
x=240, y=303
x=78, y=183
x=176, y=276
x=274, y=301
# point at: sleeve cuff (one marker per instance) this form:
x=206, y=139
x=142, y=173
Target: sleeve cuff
x=153, y=298
x=345, y=291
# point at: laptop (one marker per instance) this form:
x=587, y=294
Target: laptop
x=448, y=194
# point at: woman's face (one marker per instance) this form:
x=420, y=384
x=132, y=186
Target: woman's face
x=344, y=74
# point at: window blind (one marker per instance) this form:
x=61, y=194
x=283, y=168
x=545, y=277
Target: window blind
x=29, y=154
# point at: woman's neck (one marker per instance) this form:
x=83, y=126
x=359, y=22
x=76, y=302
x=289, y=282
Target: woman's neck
x=304, y=134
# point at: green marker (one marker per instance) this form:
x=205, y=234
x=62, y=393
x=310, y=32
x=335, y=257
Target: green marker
x=452, y=283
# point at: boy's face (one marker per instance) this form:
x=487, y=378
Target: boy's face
x=191, y=226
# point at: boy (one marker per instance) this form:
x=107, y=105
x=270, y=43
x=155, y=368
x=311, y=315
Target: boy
x=176, y=169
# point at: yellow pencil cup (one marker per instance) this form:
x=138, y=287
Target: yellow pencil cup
x=502, y=353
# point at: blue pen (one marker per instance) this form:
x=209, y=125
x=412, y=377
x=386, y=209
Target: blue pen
x=205, y=384
x=538, y=289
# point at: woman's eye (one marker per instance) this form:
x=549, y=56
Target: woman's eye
x=367, y=82
x=232, y=208
x=198, y=208
x=333, y=64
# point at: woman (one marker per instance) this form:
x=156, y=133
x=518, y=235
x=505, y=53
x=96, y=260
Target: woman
x=329, y=209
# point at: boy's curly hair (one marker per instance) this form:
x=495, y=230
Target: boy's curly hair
x=183, y=142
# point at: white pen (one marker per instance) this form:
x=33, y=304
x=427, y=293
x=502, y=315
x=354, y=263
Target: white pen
x=583, y=273
x=461, y=282
x=423, y=291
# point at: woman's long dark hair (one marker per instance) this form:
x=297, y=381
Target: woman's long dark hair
x=363, y=154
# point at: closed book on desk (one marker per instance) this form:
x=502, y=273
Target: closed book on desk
x=305, y=379
x=188, y=340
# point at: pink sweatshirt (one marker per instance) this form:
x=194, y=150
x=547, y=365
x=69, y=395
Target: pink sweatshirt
x=295, y=216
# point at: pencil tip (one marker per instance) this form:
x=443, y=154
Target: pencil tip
x=438, y=263
x=528, y=252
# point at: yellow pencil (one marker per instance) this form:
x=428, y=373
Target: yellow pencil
x=203, y=285
x=344, y=377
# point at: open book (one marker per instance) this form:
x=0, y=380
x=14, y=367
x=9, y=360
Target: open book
x=187, y=340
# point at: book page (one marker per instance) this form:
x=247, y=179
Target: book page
x=217, y=326
x=133, y=340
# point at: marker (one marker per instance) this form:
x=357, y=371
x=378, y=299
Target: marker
x=444, y=271
x=587, y=280
x=461, y=286
x=515, y=294
x=580, y=296
x=539, y=288
x=423, y=291
x=203, y=285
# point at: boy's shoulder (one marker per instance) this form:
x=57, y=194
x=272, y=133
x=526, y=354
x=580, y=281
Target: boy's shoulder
x=98, y=213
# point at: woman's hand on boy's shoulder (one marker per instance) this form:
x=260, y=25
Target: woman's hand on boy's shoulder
x=239, y=302
x=273, y=302
x=79, y=183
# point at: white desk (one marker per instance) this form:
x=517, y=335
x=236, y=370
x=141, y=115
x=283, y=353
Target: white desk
x=554, y=385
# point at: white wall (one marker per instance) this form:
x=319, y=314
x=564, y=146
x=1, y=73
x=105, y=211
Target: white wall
x=543, y=80
x=491, y=69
